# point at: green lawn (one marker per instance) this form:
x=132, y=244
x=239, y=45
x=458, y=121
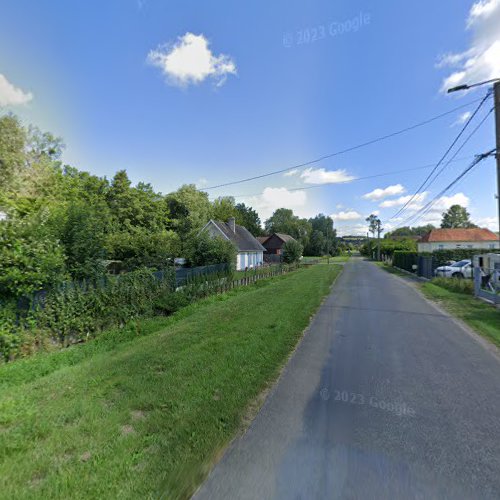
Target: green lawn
x=481, y=317
x=143, y=412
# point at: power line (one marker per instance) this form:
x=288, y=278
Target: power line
x=483, y=100
x=354, y=180
x=347, y=150
x=424, y=210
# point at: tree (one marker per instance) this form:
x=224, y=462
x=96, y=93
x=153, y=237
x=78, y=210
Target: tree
x=456, y=216
x=407, y=231
x=249, y=218
x=292, y=251
x=317, y=245
x=324, y=225
x=205, y=250
x=223, y=208
x=189, y=210
x=283, y=220
x=31, y=258
x=12, y=155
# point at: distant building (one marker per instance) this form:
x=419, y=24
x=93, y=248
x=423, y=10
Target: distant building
x=274, y=243
x=446, y=239
x=250, y=251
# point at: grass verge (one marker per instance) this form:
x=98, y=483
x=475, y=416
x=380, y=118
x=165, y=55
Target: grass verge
x=482, y=318
x=148, y=416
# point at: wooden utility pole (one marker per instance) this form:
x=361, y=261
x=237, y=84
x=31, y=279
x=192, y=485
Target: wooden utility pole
x=496, y=97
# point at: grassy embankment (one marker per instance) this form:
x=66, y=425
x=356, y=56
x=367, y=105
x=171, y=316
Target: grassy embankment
x=143, y=412
x=456, y=298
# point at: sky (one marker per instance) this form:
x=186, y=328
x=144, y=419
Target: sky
x=210, y=93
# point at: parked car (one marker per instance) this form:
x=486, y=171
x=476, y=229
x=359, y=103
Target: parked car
x=460, y=269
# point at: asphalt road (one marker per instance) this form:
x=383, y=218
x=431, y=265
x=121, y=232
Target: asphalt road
x=385, y=397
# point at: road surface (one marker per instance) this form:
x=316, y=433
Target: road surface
x=385, y=397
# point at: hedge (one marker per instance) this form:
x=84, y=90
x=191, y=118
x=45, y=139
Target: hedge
x=77, y=311
x=405, y=260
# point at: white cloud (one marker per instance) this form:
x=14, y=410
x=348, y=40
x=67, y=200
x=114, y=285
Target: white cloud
x=11, y=95
x=352, y=230
x=490, y=223
x=346, y=215
x=434, y=215
x=462, y=118
x=190, y=61
x=273, y=198
x=415, y=204
x=339, y=206
x=295, y=171
x=379, y=193
x=322, y=176
x=481, y=61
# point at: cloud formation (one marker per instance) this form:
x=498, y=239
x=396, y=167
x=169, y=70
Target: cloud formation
x=415, y=204
x=462, y=118
x=346, y=215
x=322, y=176
x=380, y=193
x=190, y=61
x=273, y=198
x=481, y=61
x=11, y=95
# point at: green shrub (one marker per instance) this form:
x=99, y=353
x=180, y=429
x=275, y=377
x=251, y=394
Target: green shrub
x=442, y=257
x=405, y=260
x=292, y=251
x=455, y=285
x=169, y=303
x=75, y=311
x=204, y=250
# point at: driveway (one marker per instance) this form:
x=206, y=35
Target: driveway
x=385, y=397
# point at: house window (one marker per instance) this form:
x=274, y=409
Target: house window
x=440, y=247
x=470, y=246
x=459, y=246
x=492, y=245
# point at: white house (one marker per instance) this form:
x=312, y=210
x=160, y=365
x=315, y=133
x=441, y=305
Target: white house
x=250, y=251
x=446, y=239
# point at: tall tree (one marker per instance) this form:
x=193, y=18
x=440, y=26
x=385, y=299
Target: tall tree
x=249, y=218
x=456, y=216
x=223, y=208
x=283, y=220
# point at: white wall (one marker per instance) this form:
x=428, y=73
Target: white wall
x=249, y=259
x=451, y=245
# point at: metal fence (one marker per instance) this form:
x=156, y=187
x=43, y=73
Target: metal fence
x=182, y=274
x=487, y=283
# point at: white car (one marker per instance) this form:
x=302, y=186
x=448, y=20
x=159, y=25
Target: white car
x=460, y=269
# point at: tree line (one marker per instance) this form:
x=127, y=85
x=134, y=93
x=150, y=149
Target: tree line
x=60, y=223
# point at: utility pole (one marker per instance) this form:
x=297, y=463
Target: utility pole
x=496, y=97
x=378, y=240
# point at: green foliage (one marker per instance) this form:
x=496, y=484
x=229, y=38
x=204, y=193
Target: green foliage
x=456, y=216
x=292, y=251
x=323, y=239
x=249, y=218
x=30, y=257
x=82, y=228
x=189, y=210
x=283, y=220
x=76, y=311
x=205, y=250
x=455, y=285
x=388, y=247
x=223, y=208
x=405, y=231
x=139, y=247
x=405, y=259
x=443, y=257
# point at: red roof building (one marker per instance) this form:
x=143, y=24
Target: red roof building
x=445, y=239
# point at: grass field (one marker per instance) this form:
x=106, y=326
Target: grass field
x=144, y=411
x=482, y=318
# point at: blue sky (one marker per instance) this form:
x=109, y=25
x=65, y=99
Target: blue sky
x=212, y=92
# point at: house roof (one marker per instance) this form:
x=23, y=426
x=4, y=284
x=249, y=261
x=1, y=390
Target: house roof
x=262, y=239
x=459, y=234
x=284, y=237
x=242, y=237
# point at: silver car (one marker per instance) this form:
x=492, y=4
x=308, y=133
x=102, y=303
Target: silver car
x=460, y=269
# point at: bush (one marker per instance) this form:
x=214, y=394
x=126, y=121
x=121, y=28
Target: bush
x=169, y=303
x=455, y=285
x=405, y=260
x=204, y=250
x=292, y=251
x=442, y=257
x=76, y=311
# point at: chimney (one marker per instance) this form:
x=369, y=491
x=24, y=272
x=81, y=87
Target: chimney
x=231, y=222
